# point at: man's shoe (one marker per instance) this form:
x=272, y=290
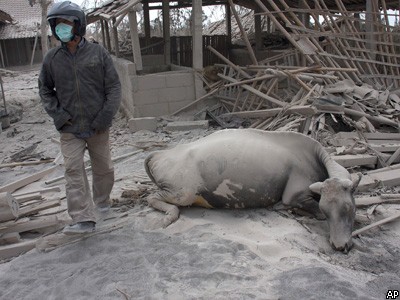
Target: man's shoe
x=80, y=227
x=104, y=208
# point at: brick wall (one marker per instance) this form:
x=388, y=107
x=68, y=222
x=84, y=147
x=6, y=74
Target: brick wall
x=157, y=94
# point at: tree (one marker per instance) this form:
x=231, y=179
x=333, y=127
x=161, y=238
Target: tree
x=44, y=4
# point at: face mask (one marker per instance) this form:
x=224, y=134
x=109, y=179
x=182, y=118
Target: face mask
x=64, y=32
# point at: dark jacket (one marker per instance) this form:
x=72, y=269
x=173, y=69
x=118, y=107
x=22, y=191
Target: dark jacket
x=83, y=88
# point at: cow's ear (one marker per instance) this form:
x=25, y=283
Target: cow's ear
x=316, y=187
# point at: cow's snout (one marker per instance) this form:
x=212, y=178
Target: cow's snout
x=344, y=247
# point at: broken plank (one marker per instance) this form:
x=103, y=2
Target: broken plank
x=370, y=135
x=381, y=146
x=9, y=207
x=367, y=201
x=266, y=113
x=255, y=91
x=13, y=250
x=13, y=186
x=392, y=167
x=25, y=163
x=28, y=225
x=350, y=160
x=9, y=238
x=41, y=191
x=387, y=178
x=28, y=197
x=381, y=222
x=35, y=208
x=394, y=157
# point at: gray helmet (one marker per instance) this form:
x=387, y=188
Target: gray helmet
x=68, y=11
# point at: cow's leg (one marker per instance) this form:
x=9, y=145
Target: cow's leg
x=164, y=201
x=298, y=196
x=171, y=210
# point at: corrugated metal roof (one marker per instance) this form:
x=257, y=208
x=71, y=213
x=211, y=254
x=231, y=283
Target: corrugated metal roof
x=26, y=19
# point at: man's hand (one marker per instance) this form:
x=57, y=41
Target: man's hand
x=101, y=131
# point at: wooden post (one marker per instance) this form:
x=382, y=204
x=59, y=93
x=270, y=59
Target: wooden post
x=228, y=24
x=8, y=207
x=115, y=37
x=108, y=40
x=146, y=15
x=34, y=47
x=137, y=56
x=2, y=57
x=258, y=29
x=197, y=33
x=166, y=32
x=103, y=34
x=370, y=17
x=244, y=34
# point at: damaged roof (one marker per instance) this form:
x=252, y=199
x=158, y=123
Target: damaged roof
x=23, y=20
x=331, y=4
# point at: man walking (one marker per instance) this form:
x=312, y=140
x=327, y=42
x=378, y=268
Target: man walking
x=81, y=91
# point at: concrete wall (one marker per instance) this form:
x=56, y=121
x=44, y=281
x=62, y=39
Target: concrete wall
x=157, y=94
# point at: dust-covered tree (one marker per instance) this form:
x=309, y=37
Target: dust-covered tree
x=44, y=4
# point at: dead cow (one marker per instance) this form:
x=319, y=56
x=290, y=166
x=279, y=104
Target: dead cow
x=250, y=168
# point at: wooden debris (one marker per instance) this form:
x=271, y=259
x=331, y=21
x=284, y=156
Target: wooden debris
x=28, y=197
x=27, y=224
x=367, y=201
x=9, y=238
x=387, y=178
x=26, y=163
x=355, y=160
x=373, y=225
x=13, y=250
x=41, y=191
x=35, y=208
x=11, y=187
x=9, y=208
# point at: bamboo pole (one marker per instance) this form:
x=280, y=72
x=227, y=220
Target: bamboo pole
x=228, y=62
x=244, y=34
x=282, y=29
x=253, y=90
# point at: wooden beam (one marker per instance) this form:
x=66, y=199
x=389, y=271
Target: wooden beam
x=350, y=160
x=197, y=34
x=115, y=37
x=26, y=163
x=11, y=187
x=254, y=91
x=41, y=191
x=166, y=32
x=9, y=207
x=386, y=178
x=137, y=56
x=35, y=208
x=13, y=250
x=266, y=113
x=368, y=201
x=29, y=225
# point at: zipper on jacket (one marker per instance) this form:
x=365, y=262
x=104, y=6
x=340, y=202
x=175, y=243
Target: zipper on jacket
x=78, y=94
